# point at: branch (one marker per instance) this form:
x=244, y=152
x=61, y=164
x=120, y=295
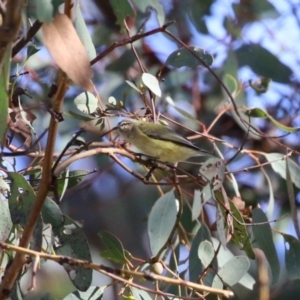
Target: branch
x=117, y=274
x=10, y=26
x=30, y=34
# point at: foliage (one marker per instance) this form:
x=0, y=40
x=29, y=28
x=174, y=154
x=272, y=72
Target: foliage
x=205, y=228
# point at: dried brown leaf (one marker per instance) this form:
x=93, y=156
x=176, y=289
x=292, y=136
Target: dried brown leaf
x=64, y=45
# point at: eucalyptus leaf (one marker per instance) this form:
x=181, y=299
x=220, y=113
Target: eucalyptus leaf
x=292, y=256
x=263, y=237
x=206, y=253
x=151, y=82
x=122, y=10
x=260, y=113
x=161, y=221
x=115, y=250
x=86, y=102
x=184, y=58
x=84, y=34
x=195, y=265
x=72, y=242
x=263, y=62
x=278, y=164
x=140, y=294
x=93, y=293
x=232, y=271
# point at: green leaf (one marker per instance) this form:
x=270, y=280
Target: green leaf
x=84, y=34
x=5, y=220
x=115, y=250
x=292, y=256
x=139, y=294
x=122, y=63
x=197, y=205
x=263, y=63
x=86, y=102
x=31, y=50
x=278, y=164
x=93, y=293
x=196, y=11
x=151, y=83
x=292, y=200
x=73, y=177
x=181, y=111
x=260, y=113
x=232, y=272
x=184, y=58
x=255, y=10
x=81, y=117
x=161, y=221
x=271, y=204
x=206, y=253
x=224, y=255
x=240, y=234
x=4, y=86
x=133, y=85
x=261, y=85
x=44, y=11
x=52, y=214
x=221, y=227
x=142, y=6
x=213, y=170
x=72, y=242
x=231, y=84
x=21, y=200
x=263, y=237
x=195, y=265
x=122, y=10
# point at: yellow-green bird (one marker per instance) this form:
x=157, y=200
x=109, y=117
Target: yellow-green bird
x=158, y=141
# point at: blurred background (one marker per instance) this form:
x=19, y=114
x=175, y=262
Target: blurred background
x=250, y=40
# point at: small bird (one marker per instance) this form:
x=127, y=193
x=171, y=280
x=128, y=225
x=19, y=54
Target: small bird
x=158, y=141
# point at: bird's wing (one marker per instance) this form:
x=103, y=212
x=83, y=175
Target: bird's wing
x=167, y=134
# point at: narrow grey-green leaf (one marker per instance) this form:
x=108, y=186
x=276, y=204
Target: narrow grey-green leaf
x=82, y=117
x=197, y=205
x=161, y=221
x=4, y=96
x=260, y=113
x=278, y=164
x=291, y=196
x=292, y=256
x=184, y=58
x=84, y=34
x=221, y=229
x=263, y=237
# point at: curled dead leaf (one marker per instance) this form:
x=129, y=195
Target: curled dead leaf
x=63, y=43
